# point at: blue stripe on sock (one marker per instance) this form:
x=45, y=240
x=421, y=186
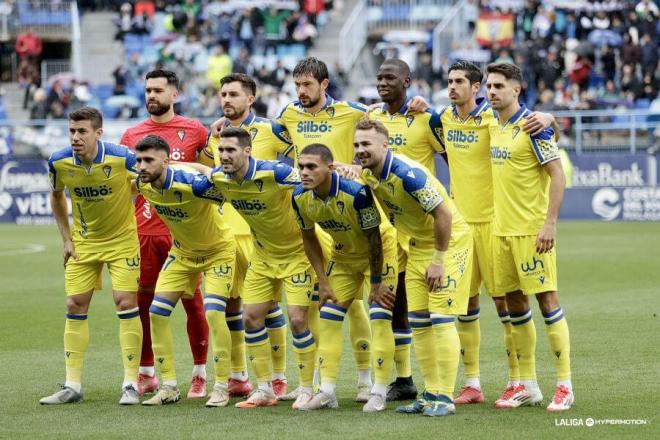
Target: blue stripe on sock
x=159, y=311
x=256, y=335
x=76, y=316
x=165, y=301
x=274, y=323
x=128, y=315
x=444, y=320
x=380, y=315
x=335, y=307
x=214, y=306
x=402, y=341
x=330, y=316
x=473, y=312
x=552, y=313
x=518, y=315
x=524, y=321
x=552, y=321
x=503, y=314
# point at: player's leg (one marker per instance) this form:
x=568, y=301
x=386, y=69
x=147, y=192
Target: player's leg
x=198, y=337
x=360, y=333
x=512, y=359
x=130, y=341
x=276, y=326
x=218, y=279
x=258, y=296
x=469, y=333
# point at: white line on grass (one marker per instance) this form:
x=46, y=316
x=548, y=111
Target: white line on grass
x=27, y=249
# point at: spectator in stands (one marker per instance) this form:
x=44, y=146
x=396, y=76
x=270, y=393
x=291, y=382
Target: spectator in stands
x=122, y=78
x=39, y=109
x=648, y=53
x=608, y=59
x=629, y=81
x=57, y=98
x=303, y=32
x=28, y=44
x=124, y=22
x=224, y=29
x=647, y=8
x=549, y=69
x=28, y=76
x=145, y=7
x=273, y=26
x=219, y=65
x=313, y=8
x=141, y=24
x=246, y=28
x=242, y=63
x=630, y=53
x=581, y=70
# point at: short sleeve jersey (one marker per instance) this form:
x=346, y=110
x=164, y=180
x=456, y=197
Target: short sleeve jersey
x=101, y=198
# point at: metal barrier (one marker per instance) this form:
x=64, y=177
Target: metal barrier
x=452, y=28
x=390, y=15
x=353, y=36
x=50, y=68
x=50, y=20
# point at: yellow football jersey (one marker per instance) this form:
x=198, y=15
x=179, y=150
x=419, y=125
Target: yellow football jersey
x=263, y=199
x=467, y=143
x=101, y=199
x=333, y=125
x=520, y=184
x=408, y=193
x=196, y=225
x=268, y=140
x=415, y=135
x=349, y=210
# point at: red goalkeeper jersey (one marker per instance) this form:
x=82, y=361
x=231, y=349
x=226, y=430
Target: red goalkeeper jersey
x=186, y=137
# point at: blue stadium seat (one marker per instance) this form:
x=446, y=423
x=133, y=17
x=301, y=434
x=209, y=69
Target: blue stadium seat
x=103, y=91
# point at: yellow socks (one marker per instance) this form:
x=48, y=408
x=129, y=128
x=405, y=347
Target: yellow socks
x=469, y=333
x=524, y=339
x=331, y=342
x=402, y=342
x=424, y=341
x=512, y=359
x=276, y=326
x=214, y=308
x=76, y=340
x=360, y=334
x=557, y=329
x=383, y=343
x=304, y=348
x=161, y=338
x=236, y=327
x=449, y=351
x=130, y=341
x=258, y=347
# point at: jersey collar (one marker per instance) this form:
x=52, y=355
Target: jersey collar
x=334, y=186
x=246, y=123
x=482, y=104
x=402, y=111
x=387, y=166
x=100, y=154
x=329, y=100
x=169, y=179
x=252, y=169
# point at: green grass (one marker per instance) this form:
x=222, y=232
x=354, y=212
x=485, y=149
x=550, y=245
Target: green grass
x=609, y=277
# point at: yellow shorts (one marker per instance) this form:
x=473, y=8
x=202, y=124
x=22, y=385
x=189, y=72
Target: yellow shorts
x=84, y=275
x=264, y=282
x=347, y=278
x=482, y=264
x=519, y=267
x=452, y=297
x=244, y=248
x=180, y=273
x=403, y=249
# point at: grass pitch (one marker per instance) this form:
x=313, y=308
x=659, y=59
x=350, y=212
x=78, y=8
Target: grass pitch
x=609, y=278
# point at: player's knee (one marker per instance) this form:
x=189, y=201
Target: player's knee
x=473, y=303
x=500, y=304
x=253, y=319
x=234, y=305
x=516, y=302
x=76, y=304
x=125, y=301
x=298, y=322
x=548, y=301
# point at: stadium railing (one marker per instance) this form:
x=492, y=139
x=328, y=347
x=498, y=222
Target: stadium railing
x=451, y=29
x=48, y=19
x=594, y=131
x=353, y=36
x=388, y=15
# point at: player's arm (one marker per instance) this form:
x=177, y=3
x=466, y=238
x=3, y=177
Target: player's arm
x=61, y=214
x=539, y=121
x=314, y=254
x=442, y=232
x=436, y=133
x=205, y=157
x=199, y=167
x=545, y=240
x=203, y=187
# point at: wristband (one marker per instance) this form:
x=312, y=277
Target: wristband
x=376, y=279
x=438, y=257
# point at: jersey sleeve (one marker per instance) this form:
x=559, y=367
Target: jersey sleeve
x=131, y=162
x=304, y=222
x=212, y=143
x=286, y=176
x=204, y=188
x=364, y=205
x=202, y=137
x=423, y=188
x=436, y=135
x=54, y=177
x=285, y=145
x=544, y=146
x=357, y=110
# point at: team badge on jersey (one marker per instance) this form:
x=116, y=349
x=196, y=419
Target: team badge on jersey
x=409, y=120
x=330, y=111
x=253, y=133
x=515, y=131
x=178, y=196
x=71, y=172
x=107, y=170
x=259, y=184
x=181, y=134
x=340, y=206
x=477, y=120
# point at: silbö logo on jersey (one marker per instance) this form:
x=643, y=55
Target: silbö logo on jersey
x=248, y=207
x=92, y=192
x=313, y=129
x=499, y=154
x=172, y=213
x=396, y=141
x=459, y=136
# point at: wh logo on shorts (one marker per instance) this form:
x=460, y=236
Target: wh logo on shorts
x=133, y=262
x=303, y=278
x=527, y=267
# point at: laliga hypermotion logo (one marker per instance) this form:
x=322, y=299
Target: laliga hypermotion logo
x=605, y=203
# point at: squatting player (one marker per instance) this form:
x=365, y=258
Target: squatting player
x=362, y=247
x=97, y=175
x=261, y=193
x=528, y=188
x=201, y=244
x=237, y=92
x=186, y=138
x=439, y=263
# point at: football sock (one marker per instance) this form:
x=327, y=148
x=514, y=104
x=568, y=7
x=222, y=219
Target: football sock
x=512, y=359
x=144, y=303
x=424, y=341
x=237, y=331
x=383, y=343
x=276, y=326
x=76, y=340
x=557, y=329
x=197, y=327
x=331, y=343
x=524, y=339
x=214, y=307
x=130, y=341
x=199, y=370
x=469, y=332
x=449, y=351
x=360, y=334
x=304, y=349
x=402, y=342
x=258, y=347
x=473, y=382
x=380, y=389
x=313, y=315
x=147, y=371
x=566, y=383
x=161, y=336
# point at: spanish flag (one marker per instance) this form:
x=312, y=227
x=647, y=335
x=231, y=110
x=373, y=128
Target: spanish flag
x=494, y=28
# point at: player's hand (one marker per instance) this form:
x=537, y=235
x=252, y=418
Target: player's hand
x=381, y=295
x=373, y=107
x=545, y=240
x=349, y=171
x=326, y=295
x=217, y=126
x=417, y=104
x=69, y=251
x=537, y=122
x=435, y=273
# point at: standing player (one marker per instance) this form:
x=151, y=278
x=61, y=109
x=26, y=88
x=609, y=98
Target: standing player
x=417, y=136
x=439, y=264
x=186, y=138
x=97, y=175
x=362, y=247
x=528, y=188
x=237, y=92
x=202, y=243
x=261, y=193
